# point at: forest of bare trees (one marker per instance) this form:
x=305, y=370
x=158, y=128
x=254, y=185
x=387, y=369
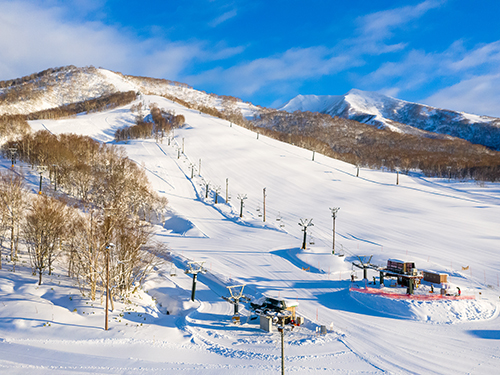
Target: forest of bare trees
x=365, y=145
x=157, y=125
x=98, y=208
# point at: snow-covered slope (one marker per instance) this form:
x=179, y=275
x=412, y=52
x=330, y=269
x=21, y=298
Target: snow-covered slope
x=402, y=116
x=441, y=225
x=71, y=84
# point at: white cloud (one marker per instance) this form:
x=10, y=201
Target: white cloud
x=478, y=95
x=222, y=18
x=376, y=28
x=33, y=38
x=296, y=64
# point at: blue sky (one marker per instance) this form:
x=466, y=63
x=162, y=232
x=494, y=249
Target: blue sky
x=444, y=53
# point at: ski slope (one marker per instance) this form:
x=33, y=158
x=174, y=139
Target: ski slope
x=441, y=225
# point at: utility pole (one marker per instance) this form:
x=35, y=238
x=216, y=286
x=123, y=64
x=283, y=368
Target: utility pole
x=334, y=216
x=305, y=223
x=264, y=206
x=194, y=269
x=241, y=197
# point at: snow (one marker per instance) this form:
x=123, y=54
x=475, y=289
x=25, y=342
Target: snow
x=398, y=115
x=441, y=225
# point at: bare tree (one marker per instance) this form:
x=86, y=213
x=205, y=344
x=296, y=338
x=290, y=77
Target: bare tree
x=12, y=196
x=43, y=231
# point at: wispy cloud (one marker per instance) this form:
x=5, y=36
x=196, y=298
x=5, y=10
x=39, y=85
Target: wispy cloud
x=295, y=64
x=479, y=95
x=222, y=18
x=376, y=29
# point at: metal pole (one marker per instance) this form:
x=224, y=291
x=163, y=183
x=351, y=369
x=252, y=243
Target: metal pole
x=193, y=290
x=227, y=189
x=313, y=155
x=282, y=331
x=304, y=242
x=334, y=216
x=333, y=244
x=199, y=169
x=40, y=190
x=264, y=212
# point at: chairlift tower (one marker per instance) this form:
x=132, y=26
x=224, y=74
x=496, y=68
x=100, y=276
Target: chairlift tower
x=41, y=169
x=195, y=268
x=305, y=223
x=236, y=297
x=242, y=197
x=334, y=216
x=364, y=265
x=13, y=152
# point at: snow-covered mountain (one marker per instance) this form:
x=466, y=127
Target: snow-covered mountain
x=401, y=116
x=57, y=87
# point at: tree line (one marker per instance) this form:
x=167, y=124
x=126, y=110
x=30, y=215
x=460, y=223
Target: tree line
x=102, y=103
x=365, y=145
x=99, y=207
x=157, y=124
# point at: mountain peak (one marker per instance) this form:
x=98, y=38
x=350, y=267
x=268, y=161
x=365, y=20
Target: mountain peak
x=383, y=111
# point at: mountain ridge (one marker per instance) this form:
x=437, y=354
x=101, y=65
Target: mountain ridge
x=401, y=116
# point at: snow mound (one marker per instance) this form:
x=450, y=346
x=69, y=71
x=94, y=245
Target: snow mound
x=438, y=312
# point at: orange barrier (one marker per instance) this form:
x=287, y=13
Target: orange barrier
x=418, y=297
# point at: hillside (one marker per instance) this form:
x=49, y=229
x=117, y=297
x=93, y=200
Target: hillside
x=401, y=116
x=442, y=225
x=66, y=85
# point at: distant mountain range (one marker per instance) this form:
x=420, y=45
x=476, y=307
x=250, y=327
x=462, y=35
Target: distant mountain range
x=402, y=116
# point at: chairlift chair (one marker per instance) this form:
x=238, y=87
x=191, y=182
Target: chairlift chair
x=173, y=271
x=311, y=240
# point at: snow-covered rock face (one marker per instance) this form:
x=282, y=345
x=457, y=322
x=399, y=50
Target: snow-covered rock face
x=402, y=116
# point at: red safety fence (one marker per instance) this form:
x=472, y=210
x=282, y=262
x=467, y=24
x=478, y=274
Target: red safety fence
x=418, y=297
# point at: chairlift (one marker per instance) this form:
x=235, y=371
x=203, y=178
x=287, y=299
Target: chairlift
x=173, y=271
x=311, y=240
